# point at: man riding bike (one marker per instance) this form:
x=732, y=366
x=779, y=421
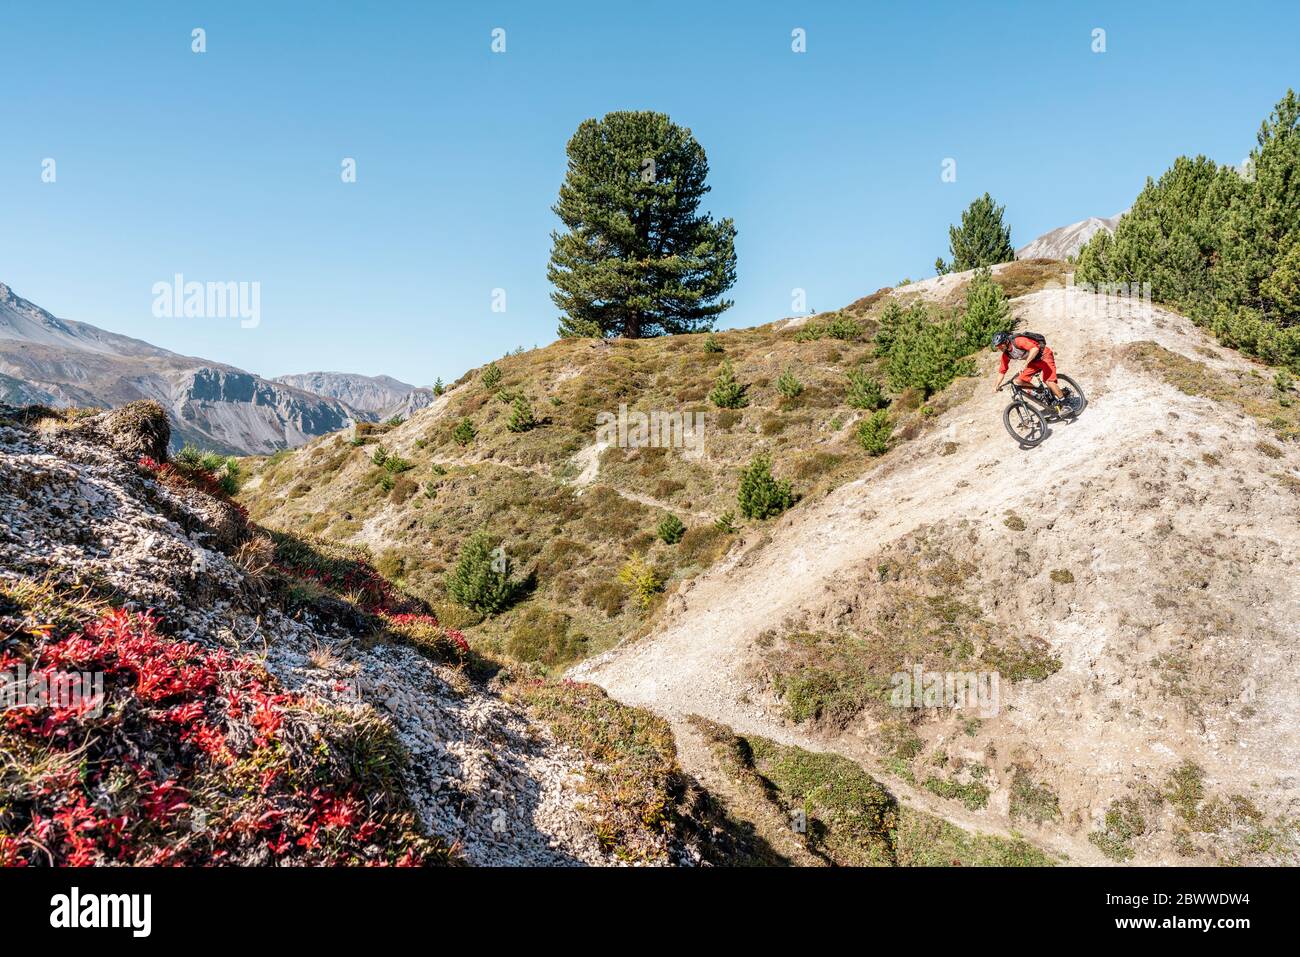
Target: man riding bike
x=1038, y=361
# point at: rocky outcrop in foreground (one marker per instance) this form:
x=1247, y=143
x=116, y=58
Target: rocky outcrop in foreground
x=249, y=715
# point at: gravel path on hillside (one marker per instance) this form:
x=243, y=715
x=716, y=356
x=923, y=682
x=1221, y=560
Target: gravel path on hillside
x=1122, y=451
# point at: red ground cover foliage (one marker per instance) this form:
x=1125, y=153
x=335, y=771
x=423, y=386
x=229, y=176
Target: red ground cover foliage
x=194, y=755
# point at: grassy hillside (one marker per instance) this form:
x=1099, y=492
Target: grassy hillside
x=570, y=512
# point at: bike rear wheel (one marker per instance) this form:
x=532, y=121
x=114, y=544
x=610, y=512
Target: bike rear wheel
x=1079, y=401
x=1025, y=424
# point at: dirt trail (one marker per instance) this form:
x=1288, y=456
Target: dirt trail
x=695, y=660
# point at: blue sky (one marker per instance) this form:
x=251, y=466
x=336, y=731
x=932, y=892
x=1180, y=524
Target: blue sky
x=225, y=166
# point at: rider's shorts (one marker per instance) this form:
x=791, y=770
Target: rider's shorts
x=1045, y=363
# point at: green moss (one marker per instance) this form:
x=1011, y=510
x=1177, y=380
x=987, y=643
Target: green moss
x=973, y=794
x=923, y=840
x=847, y=817
x=846, y=814
x=1124, y=821
x=545, y=636
x=1185, y=789
x=1030, y=801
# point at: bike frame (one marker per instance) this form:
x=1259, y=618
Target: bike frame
x=1020, y=392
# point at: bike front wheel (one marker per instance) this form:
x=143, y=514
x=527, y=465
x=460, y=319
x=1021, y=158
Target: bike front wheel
x=1025, y=424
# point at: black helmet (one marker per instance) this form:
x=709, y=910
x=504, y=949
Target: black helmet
x=999, y=338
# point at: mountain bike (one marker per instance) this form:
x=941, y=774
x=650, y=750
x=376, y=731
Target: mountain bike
x=1034, y=406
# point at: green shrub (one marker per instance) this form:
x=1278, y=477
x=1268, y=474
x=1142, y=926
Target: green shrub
x=788, y=386
x=481, y=579
x=438, y=387
x=189, y=456
x=837, y=326
x=464, y=432
x=1283, y=383
x=223, y=468
x=545, y=636
x=843, y=328
x=521, y=416
x=726, y=522
x=924, y=355
x=711, y=344
x=671, y=529
x=491, y=375
x=641, y=578
x=391, y=565
x=874, y=432
x=895, y=320
x=863, y=392
x=727, y=392
x=761, y=495
x=380, y=455
x=395, y=421
x=986, y=312
x=395, y=464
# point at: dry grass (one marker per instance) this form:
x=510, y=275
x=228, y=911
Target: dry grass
x=840, y=814
x=1252, y=394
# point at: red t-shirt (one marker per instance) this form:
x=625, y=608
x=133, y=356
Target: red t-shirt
x=1020, y=342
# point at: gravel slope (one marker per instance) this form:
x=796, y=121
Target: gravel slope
x=1122, y=497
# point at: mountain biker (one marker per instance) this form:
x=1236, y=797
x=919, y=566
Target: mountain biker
x=1039, y=360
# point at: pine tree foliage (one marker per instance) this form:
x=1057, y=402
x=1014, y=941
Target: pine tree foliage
x=727, y=393
x=671, y=529
x=864, y=392
x=636, y=257
x=761, y=495
x=986, y=312
x=464, y=433
x=982, y=239
x=1219, y=243
x=521, y=415
x=788, y=385
x=481, y=579
x=874, y=432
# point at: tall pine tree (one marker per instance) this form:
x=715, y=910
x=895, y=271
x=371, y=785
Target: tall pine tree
x=636, y=258
x=982, y=239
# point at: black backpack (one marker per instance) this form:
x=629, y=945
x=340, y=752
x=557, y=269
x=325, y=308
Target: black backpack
x=1037, y=337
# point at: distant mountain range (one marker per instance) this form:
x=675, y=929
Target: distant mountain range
x=372, y=398
x=1066, y=241
x=61, y=362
